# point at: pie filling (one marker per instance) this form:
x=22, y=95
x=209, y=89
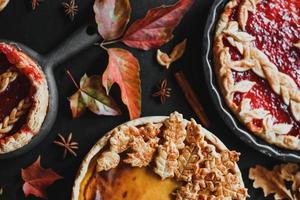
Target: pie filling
x=127, y=183
x=16, y=90
x=276, y=28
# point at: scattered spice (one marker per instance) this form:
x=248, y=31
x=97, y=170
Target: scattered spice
x=35, y=4
x=164, y=92
x=68, y=145
x=191, y=97
x=274, y=181
x=71, y=9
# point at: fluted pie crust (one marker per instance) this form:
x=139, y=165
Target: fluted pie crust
x=231, y=31
x=180, y=156
x=36, y=103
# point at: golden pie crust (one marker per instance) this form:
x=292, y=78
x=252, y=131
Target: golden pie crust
x=36, y=104
x=159, y=157
x=234, y=32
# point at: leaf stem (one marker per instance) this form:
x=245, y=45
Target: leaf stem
x=110, y=42
x=72, y=78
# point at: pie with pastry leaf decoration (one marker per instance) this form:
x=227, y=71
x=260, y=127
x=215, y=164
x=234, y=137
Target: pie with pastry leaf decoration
x=159, y=158
x=257, y=62
x=23, y=98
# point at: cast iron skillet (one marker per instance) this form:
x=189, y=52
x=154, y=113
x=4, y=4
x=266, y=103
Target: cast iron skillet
x=78, y=41
x=236, y=127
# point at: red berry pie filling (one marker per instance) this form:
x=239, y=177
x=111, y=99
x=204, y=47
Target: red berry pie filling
x=257, y=59
x=23, y=98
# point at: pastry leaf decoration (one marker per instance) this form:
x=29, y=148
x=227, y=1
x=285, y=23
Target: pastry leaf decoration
x=156, y=28
x=187, y=162
x=274, y=181
x=112, y=17
x=124, y=69
x=37, y=179
x=92, y=95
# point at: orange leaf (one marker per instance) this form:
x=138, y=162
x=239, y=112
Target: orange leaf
x=124, y=69
x=38, y=179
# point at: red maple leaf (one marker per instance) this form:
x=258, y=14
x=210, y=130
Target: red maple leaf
x=156, y=28
x=38, y=179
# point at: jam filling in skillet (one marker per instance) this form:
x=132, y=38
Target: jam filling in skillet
x=14, y=89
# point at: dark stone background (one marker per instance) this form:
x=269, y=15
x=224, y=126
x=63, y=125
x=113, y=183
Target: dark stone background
x=46, y=27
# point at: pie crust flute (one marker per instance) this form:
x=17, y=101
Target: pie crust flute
x=257, y=62
x=159, y=158
x=23, y=98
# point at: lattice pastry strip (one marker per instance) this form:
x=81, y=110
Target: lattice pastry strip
x=8, y=123
x=6, y=78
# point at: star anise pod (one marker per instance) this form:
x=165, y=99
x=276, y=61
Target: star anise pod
x=35, y=4
x=164, y=92
x=71, y=9
x=68, y=145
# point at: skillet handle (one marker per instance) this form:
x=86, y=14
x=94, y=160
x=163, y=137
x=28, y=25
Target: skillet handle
x=77, y=42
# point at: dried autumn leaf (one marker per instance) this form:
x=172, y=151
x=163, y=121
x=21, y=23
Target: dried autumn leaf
x=3, y=4
x=124, y=69
x=270, y=181
x=38, y=179
x=92, y=95
x=112, y=17
x=156, y=28
x=165, y=60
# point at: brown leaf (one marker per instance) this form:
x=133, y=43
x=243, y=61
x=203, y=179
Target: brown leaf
x=112, y=17
x=124, y=69
x=38, y=179
x=273, y=181
x=92, y=95
x=165, y=60
x=156, y=28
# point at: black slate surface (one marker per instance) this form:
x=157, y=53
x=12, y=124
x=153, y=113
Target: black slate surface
x=46, y=27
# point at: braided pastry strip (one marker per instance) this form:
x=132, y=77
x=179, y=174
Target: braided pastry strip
x=7, y=78
x=8, y=123
x=260, y=64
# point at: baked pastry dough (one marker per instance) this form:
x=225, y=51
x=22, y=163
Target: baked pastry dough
x=155, y=151
x=23, y=98
x=257, y=63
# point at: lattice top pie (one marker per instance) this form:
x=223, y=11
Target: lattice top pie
x=23, y=98
x=257, y=61
x=159, y=158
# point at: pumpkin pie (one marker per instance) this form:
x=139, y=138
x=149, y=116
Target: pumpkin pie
x=159, y=158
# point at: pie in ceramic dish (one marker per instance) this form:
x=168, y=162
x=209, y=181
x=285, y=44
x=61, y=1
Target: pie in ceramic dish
x=257, y=63
x=159, y=158
x=23, y=98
